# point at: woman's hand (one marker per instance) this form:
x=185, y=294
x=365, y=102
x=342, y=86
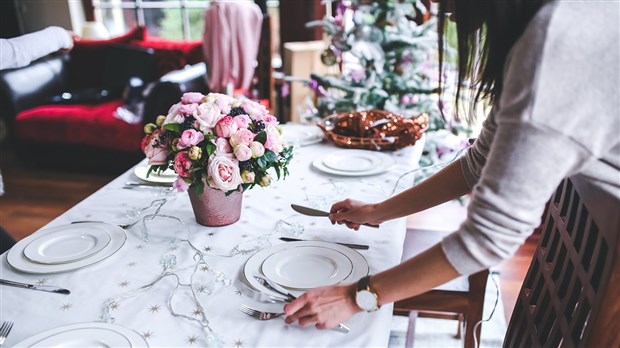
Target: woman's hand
x=354, y=213
x=324, y=307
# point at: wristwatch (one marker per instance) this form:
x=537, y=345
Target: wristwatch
x=366, y=298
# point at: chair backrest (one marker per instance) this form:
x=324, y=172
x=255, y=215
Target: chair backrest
x=570, y=294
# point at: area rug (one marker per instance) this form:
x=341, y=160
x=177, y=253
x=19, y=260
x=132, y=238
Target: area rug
x=431, y=332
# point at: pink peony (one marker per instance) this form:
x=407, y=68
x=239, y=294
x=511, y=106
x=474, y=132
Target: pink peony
x=188, y=109
x=242, y=152
x=242, y=136
x=255, y=110
x=223, y=173
x=242, y=121
x=180, y=185
x=222, y=101
x=268, y=119
x=274, y=141
x=192, y=97
x=222, y=146
x=173, y=115
x=190, y=137
x=248, y=177
x=183, y=164
x=207, y=116
x=156, y=153
x=257, y=149
x=265, y=181
x=226, y=127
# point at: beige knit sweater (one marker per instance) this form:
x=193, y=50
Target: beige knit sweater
x=558, y=116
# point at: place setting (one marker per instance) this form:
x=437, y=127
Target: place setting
x=66, y=248
x=282, y=272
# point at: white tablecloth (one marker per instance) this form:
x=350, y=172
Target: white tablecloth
x=119, y=278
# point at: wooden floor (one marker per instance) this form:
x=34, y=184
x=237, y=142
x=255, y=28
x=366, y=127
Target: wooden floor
x=34, y=197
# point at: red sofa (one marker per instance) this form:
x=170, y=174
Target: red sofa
x=88, y=135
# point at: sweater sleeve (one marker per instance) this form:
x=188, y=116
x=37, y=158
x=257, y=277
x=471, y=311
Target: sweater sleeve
x=22, y=50
x=535, y=136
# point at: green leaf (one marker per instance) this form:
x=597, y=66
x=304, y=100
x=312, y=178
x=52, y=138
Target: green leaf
x=277, y=168
x=210, y=149
x=199, y=187
x=261, y=137
x=262, y=162
x=270, y=156
x=175, y=127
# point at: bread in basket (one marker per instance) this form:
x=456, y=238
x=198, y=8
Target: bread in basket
x=373, y=129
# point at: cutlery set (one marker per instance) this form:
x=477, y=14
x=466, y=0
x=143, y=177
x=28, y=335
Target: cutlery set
x=275, y=287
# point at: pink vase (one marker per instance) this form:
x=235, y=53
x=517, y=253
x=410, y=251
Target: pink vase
x=214, y=207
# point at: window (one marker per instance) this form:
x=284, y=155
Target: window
x=168, y=19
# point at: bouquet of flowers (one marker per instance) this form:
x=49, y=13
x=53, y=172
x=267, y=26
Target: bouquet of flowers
x=218, y=140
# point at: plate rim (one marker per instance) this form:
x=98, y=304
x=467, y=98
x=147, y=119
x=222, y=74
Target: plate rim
x=348, y=272
x=247, y=273
x=136, y=341
x=388, y=164
x=370, y=155
x=141, y=170
x=108, y=241
x=16, y=259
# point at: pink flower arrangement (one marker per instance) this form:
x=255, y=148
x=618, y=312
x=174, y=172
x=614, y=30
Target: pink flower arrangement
x=217, y=140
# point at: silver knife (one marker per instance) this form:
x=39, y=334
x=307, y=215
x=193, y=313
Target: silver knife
x=48, y=288
x=350, y=245
x=315, y=212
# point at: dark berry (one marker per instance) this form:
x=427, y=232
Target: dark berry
x=188, y=123
x=259, y=126
x=237, y=111
x=246, y=165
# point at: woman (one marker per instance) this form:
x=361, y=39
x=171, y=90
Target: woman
x=551, y=71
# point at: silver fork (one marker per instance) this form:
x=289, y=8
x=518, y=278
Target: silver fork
x=260, y=315
x=5, y=329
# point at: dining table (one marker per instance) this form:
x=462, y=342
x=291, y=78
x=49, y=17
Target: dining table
x=171, y=282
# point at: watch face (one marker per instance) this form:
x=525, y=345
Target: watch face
x=366, y=300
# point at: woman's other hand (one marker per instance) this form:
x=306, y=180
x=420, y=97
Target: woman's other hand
x=354, y=213
x=324, y=307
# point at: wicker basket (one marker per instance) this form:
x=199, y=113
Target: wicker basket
x=377, y=130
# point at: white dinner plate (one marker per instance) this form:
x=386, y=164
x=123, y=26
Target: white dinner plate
x=254, y=263
x=353, y=160
x=69, y=244
x=307, y=267
x=385, y=163
x=86, y=335
x=301, y=134
x=168, y=176
x=16, y=258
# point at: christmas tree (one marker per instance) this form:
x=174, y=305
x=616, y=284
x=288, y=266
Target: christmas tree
x=386, y=60
x=384, y=56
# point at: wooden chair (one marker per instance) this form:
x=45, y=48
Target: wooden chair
x=570, y=295
x=461, y=299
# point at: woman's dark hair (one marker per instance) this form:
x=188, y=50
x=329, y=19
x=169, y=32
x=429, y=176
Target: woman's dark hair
x=486, y=31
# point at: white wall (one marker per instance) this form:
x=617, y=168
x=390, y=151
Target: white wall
x=39, y=14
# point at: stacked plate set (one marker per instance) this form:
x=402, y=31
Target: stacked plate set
x=300, y=266
x=66, y=248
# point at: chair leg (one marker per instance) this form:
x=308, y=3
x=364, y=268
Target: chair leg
x=413, y=315
x=459, y=329
x=477, y=287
